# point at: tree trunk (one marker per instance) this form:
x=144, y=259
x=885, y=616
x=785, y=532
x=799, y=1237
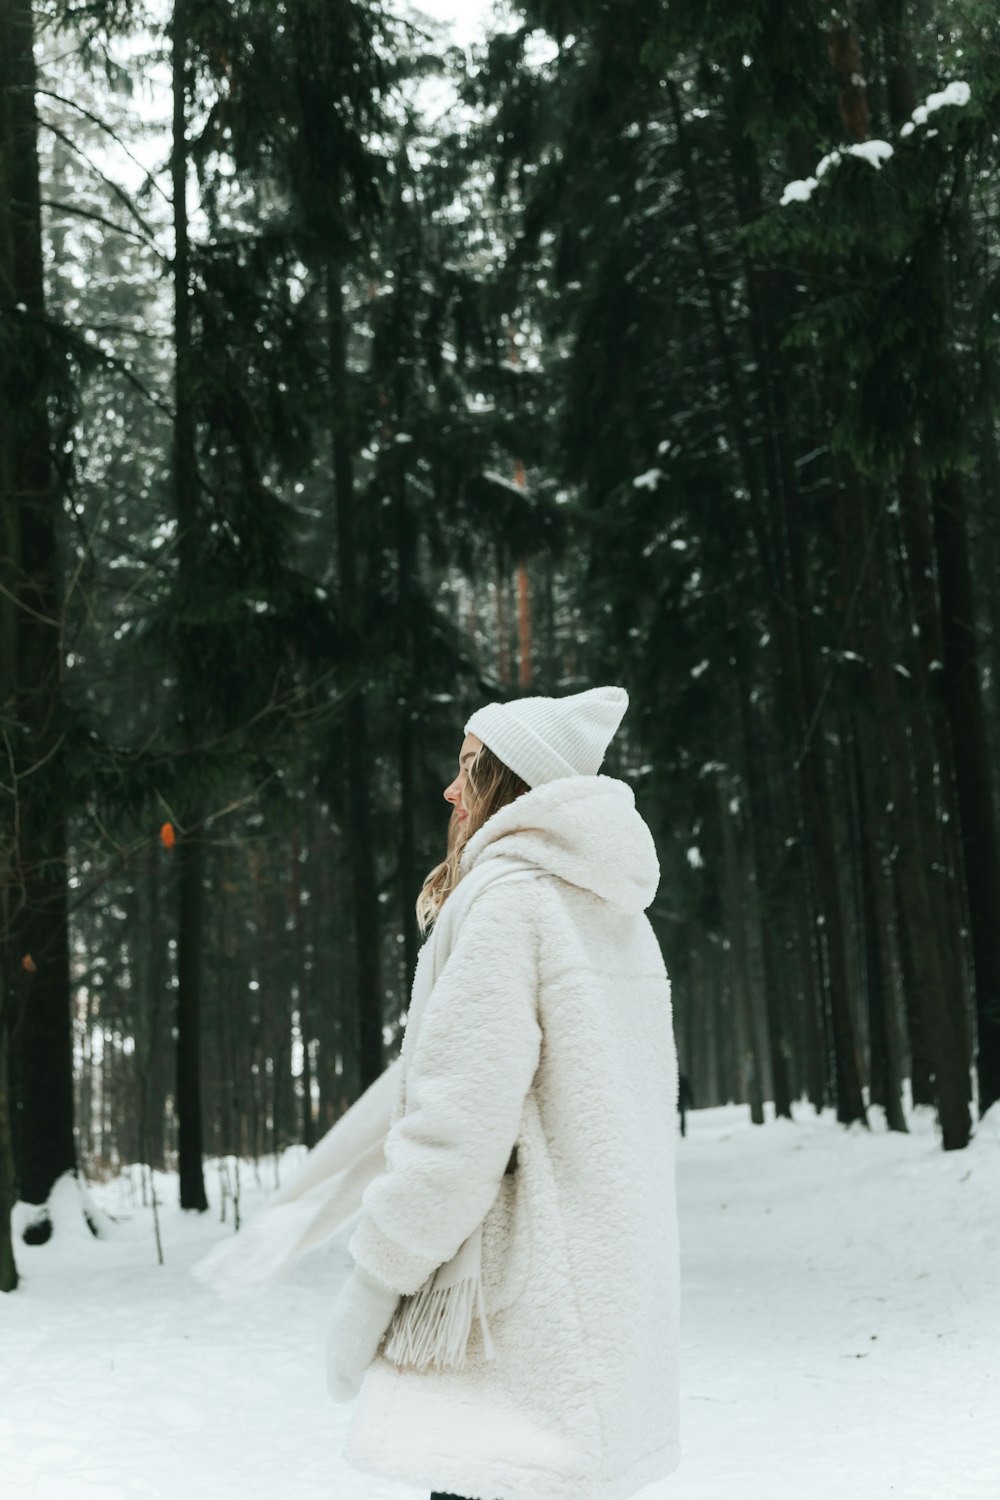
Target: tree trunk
x=817, y=806
x=934, y=770
x=357, y=755
x=505, y=669
x=738, y=967
x=406, y=566
x=899, y=69
x=39, y=1013
x=156, y=1000
x=885, y=1071
x=8, y=1182
x=524, y=658
x=961, y=686
x=760, y=826
x=910, y=804
x=973, y=771
x=794, y=630
x=818, y=1073
x=188, y=845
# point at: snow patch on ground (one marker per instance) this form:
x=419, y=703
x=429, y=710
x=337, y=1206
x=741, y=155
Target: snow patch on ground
x=840, y=1309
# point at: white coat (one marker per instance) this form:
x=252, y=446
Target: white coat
x=549, y=1029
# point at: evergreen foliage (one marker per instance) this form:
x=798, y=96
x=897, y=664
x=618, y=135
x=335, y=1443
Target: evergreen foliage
x=664, y=353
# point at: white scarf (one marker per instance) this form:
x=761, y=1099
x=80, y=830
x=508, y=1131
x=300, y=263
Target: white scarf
x=432, y=1324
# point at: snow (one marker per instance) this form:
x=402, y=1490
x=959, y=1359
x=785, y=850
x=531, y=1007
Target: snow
x=501, y=479
x=956, y=93
x=649, y=480
x=799, y=191
x=802, y=189
x=839, y=1334
x=873, y=152
x=876, y=152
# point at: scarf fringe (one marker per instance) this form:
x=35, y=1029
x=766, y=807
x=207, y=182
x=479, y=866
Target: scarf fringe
x=433, y=1325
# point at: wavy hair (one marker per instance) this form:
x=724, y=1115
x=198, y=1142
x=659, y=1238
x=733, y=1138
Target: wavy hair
x=490, y=785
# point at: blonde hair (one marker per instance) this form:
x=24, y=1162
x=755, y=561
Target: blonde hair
x=490, y=786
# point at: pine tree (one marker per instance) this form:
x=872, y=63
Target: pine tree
x=34, y=986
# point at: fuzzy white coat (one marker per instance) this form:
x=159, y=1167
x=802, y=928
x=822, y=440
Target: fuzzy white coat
x=549, y=1028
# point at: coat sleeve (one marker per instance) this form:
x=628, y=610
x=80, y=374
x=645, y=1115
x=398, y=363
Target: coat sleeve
x=471, y=1067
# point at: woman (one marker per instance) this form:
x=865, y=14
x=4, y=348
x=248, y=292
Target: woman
x=511, y=1321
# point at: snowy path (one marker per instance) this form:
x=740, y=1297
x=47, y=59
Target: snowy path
x=841, y=1333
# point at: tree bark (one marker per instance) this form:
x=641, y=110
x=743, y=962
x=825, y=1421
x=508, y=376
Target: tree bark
x=961, y=685
x=406, y=568
x=8, y=1179
x=934, y=769
x=361, y=845
x=794, y=629
x=37, y=1001
x=910, y=804
x=885, y=1070
x=973, y=771
x=188, y=845
x=738, y=966
x=760, y=823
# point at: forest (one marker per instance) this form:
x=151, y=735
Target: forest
x=352, y=378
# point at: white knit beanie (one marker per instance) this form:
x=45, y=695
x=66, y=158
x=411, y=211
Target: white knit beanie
x=543, y=739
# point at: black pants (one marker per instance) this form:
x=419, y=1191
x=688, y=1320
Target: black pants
x=441, y=1495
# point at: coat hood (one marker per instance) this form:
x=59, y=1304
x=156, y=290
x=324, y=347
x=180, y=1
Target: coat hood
x=585, y=829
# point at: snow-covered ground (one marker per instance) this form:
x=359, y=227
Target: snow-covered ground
x=841, y=1317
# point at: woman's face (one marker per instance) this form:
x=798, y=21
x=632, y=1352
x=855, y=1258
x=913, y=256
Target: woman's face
x=454, y=793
